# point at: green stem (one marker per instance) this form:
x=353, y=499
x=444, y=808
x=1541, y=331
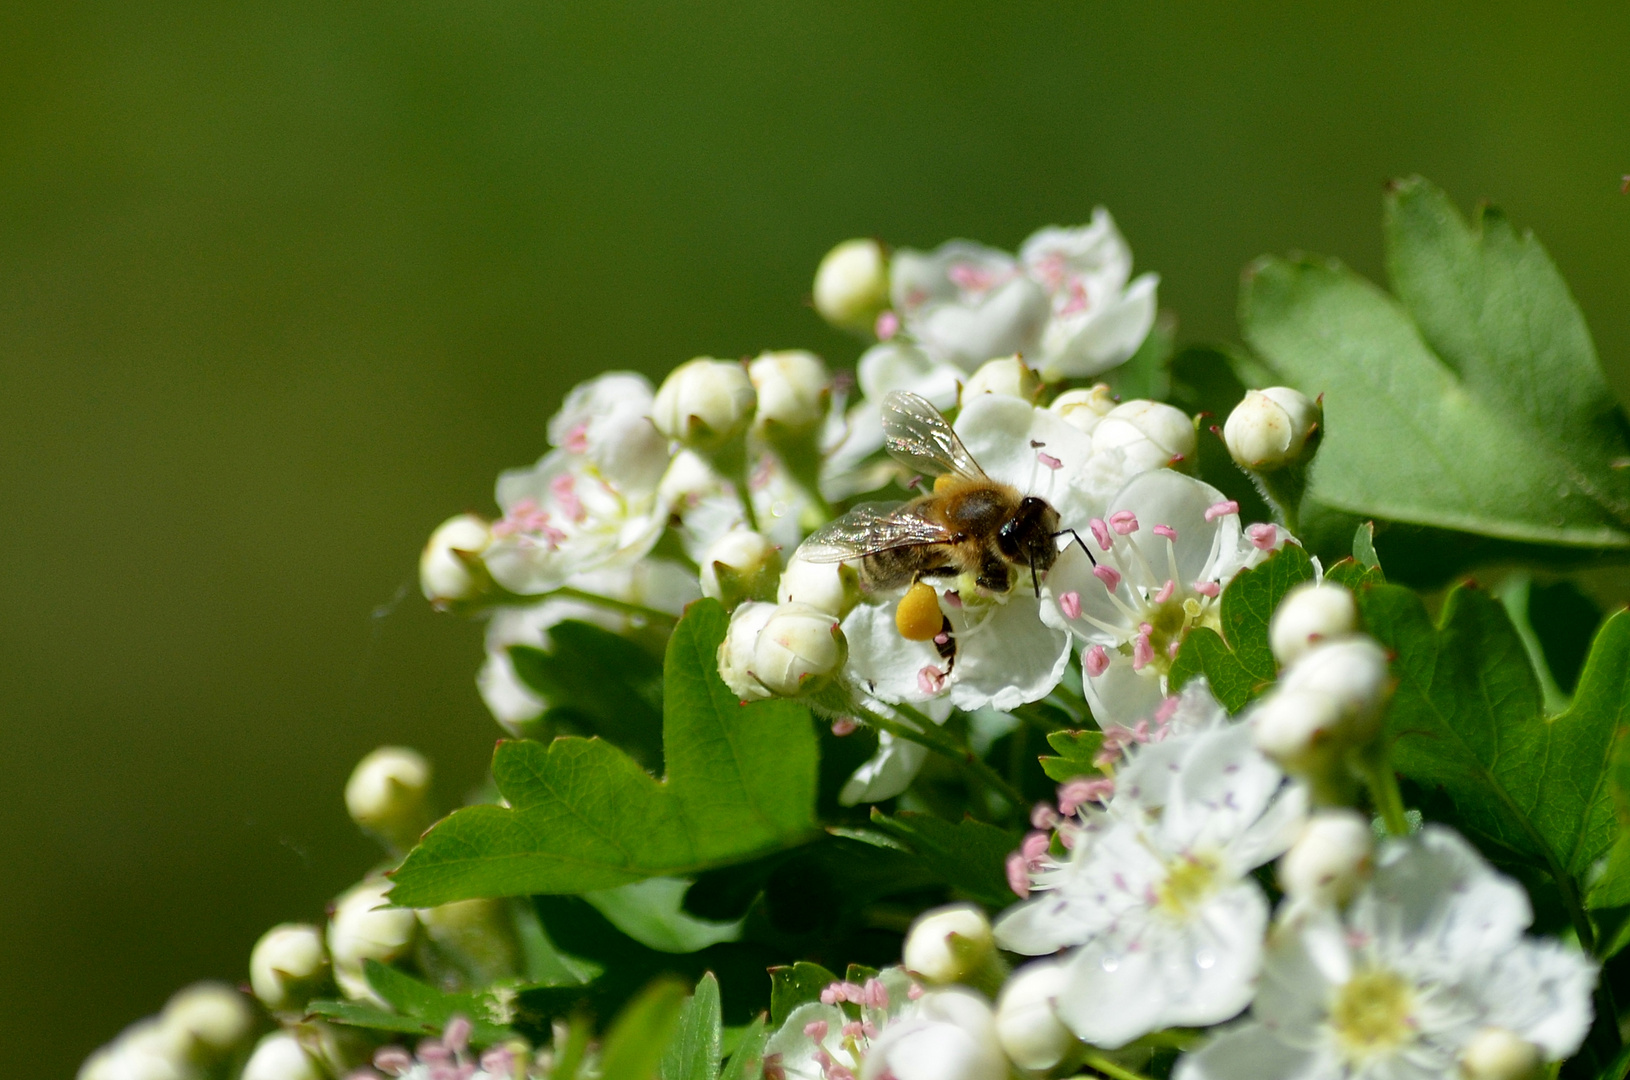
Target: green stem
x=1094, y=1060
x=1036, y=718
x=570, y=593
x=941, y=742
x=1385, y=796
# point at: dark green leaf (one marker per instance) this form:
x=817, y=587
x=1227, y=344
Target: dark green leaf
x=693, y=1052
x=970, y=855
x=1076, y=749
x=416, y=1007
x=796, y=985
x=1364, y=546
x=652, y=913
x=583, y=816
x=1353, y=574
x=635, y=1044
x=599, y=681
x=747, y=1059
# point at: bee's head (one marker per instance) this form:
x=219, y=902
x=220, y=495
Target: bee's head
x=1027, y=536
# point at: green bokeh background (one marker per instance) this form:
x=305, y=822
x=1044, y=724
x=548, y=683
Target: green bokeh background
x=284, y=284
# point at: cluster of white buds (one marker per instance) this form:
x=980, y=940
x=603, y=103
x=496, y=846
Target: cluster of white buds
x=1270, y=429
x=200, y=1027
x=780, y=650
x=793, y=391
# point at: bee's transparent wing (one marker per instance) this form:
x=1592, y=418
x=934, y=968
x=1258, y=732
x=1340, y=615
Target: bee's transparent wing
x=917, y=435
x=868, y=529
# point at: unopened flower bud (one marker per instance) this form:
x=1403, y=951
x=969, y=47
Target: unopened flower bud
x=475, y=936
x=737, y=648
x=1007, y=376
x=1310, y=613
x=1297, y=728
x=949, y=944
x=279, y=1056
x=1352, y=672
x=387, y=792
x=705, y=403
x=445, y=577
x=207, y=1020
x=1269, y=429
x=793, y=390
x=1030, y=1031
x=832, y=587
x=146, y=1050
x=288, y=963
x=740, y=565
x=1149, y=434
x=362, y=929
x=1329, y=860
x=799, y=649
x=852, y=284
x=1083, y=409
x=1497, y=1054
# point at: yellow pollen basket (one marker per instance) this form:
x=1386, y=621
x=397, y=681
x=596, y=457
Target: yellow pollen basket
x=1372, y=1014
x=918, y=617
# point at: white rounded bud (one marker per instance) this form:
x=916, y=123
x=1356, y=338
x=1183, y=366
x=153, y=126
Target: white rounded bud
x=145, y=1050
x=737, y=648
x=387, y=793
x=287, y=964
x=951, y=1036
x=1007, y=376
x=1030, y=1031
x=1310, y=613
x=208, y=1019
x=362, y=928
x=705, y=403
x=1497, y=1054
x=798, y=650
x=793, y=390
x=948, y=944
x=1269, y=429
x=1329, y=860
x=1149, y=434
x=830, y=587
x=444, y=577
x=1352, y=672
x=740, y=565
x=1083, y=409
x=1297, y=728
x=475, y=935
x=279, y=1056
x=852, y=284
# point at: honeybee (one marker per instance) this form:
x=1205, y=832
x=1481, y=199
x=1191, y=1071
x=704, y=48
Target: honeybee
x=969, y=524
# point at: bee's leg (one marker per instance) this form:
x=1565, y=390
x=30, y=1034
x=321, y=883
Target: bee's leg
x=1080, y=541
x=945, y=644
x=1035, y=580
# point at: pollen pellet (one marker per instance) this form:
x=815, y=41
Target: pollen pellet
x=918, y=617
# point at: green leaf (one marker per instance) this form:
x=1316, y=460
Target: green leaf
x=1353, y=575
x=1364, y=546
x=636, y=1042
x=969, y=855
x=693, y=1053
x=417, y=1008
x=1466, y=718
x=1076, y=750
x=747, y=1059
x=1411, y=438
x=601, y=682
x=1239, y=664
x=582, y=816
x=796, y=985
x=652, y=913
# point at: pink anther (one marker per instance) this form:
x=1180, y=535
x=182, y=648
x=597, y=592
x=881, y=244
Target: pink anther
x=1166, y=591
x=1167, y=710
x=930, y=680
x=1049, y=460
x=1072, y=795
x=1165, y=530
x=457, y=1034
x=852, y=1030
x=844, y=725
x=1124, y=522
x=577, y=439
x=1043, y=816
x=942, y=638
x=1097, y=661
x=1110, y=576
x=1100, y=533
x=1070, y=604
x=392, y=1060
x=877, y=995
x=1217, y=510
x=1207, y=588
x=564, y=489
x=1263, y=536
x=953, y=598
x=1018, y=879
x=816, y=1029
x=970, y=277
x=1034, y=847
x=915, y=990
x=1143, y=653
x=832, y=993
x=888, y=324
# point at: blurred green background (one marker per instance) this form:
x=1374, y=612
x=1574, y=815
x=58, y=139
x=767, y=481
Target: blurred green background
x=284, y=284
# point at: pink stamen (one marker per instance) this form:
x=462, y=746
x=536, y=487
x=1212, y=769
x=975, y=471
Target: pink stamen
x=1035, y=845
x=1143, y=653
x=854, y=993
x=1072, y=795
x=1167, y=710
x=1171, y=650
x=844, y=725
x=852, y=1030
x=1043, y=816
x=1165, y=530
x=1217, y=510
x=392, y=1060
x=1070, y=605
x=877, y=995
x=888, y=324
x=1110, y=576
x=953, y=598
x=499, y=1061
x=1263, y=536
x=1100, y=533
x=831, y=995
x=1049, y=460
x=1166, y=591
x=1097, y=661
x=942, y=638
x=577, y=439
x=915, y=990
x=457, y=1034
x=930, y=680
x=1207, y=588
x=816, y=1029
x=564, y=489
x=1018, y=879
x=1124, y=522
x=969, y=277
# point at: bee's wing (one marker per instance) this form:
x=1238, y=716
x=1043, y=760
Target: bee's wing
x=870, y=528
x=917, y=435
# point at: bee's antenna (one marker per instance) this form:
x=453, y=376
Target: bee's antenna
x=1035, y=581
x=1080, y=541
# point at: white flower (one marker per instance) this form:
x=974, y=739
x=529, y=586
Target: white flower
x=797, y=650
x=705, y=403
x=1351, y=672
x=737, y=649
x=287, y=963
x=832, y=587
x=1098, y=318
x=896, y=763
x=1149, y=571
x=706, y=506
x=1084, y=408
x=967, y=303
x=1269, y=429
x=902, y=1032
x=1430, y=957
x=1008, y=376
x=607, y=422
x=1149, y=434
x=893, y=365
x=1313, y=611
x=1157, y=900
x=852, y=284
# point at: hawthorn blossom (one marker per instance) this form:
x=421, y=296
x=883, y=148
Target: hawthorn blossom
x=1151, y=570
x=849, y=467
x=1430, y=961
x=705, y=506
x=1157, y=901
x=1100, y=315
x=888, y=1027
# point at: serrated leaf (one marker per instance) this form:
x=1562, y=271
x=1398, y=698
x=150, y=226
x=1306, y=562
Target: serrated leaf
x=583, y=816
x=1406, y=437
x=1466, y=718
x=1239, y=663
x=693, y=1052
x=634, y=1046
x=1076, y=751
x=1354, y=575
x=747, y=1059
x=601, y=681
x=795, y=985
x=416, y=1007
x=969, y=855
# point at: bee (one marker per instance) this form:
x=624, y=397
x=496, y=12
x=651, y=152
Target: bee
x=968, y=525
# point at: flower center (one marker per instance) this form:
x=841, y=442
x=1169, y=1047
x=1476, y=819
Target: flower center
x=1190, y=879
x=1372, y=1014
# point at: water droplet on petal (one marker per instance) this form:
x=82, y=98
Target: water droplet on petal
x=1110, y=963
x=1205, y=959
